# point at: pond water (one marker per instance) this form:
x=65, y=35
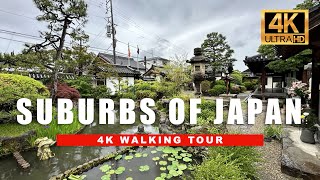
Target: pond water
x=67, y=157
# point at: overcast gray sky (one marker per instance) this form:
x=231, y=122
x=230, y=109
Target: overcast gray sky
x=159, y=27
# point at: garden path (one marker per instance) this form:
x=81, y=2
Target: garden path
x=269, y=168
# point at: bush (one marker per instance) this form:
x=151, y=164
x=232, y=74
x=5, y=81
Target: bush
x=245, y=157
x=145, y=94
x=205, y=86
x=218, y=167
x=273, y=131
x=237, y=77
x=235, y=89
x=101, y=92
x=14, y=87
x=220, y=82
x=243, y=89
x=83, y=85
x=250, y=85
x=217, y=90
x=65, y=91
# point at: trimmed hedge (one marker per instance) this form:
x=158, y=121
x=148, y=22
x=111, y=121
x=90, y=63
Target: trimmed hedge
x=217, y=90
x=205, y=86
x=250, y=85
x=219, y=82
x=12, y=88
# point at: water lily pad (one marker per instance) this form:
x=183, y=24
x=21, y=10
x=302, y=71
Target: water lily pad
x=120, y=170
x=182, y=167
x=163, y=175
x=171, y=167
x=171, y=159
x=128, y=157
x=144, y=168
x=164, y=155
x=179, y=148
x=169, y=176
x=144, y=155
x=187, y=159
x=169, y=150
x=178, y=157
x=129, y=178
x=156, y=158
x=163, y=163
x=163, y=168
x=183, y=154
x=105, y=168
x=106, y=177
x=153, y=152
x=111, y=172
x=118, y=157
x=132, y=150
x=138, y=155
x=130, y=170
x=175, y=173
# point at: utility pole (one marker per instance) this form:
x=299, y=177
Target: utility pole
x=111, y=32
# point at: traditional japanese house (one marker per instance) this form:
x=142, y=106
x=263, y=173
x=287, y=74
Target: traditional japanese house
x=286, y=51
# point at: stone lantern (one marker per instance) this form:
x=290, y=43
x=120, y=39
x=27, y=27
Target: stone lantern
x=198, y=70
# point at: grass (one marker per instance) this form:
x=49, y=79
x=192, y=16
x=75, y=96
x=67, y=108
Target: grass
x=15, y=129
x=50, y=131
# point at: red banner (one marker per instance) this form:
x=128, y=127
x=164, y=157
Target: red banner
x=160, y=140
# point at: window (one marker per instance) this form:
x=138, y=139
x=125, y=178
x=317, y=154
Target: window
x=100, y=82
x=196, y=68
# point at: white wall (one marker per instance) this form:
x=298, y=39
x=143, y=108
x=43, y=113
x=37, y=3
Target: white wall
x=113, y=83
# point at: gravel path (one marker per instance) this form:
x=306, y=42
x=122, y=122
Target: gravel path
x=269, y=168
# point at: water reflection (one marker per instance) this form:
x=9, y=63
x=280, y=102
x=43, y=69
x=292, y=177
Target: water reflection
x=67, y=157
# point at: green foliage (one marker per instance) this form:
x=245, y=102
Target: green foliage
x=267, y=50
x=101, y=92
x=217, y=50
x=273, y=131
x=235, y=89
x=218, y=167
x=243, y=89
x=217, y=90
x=12, y=88
x=220, y=82
x=250, y=85
x=83, y=84
x=54, y=128
x=291, y=64
x=242, y=156
x=306, y=4
x=205, y=86
x=237, y=77
x=146, y=94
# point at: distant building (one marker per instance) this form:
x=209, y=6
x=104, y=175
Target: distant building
x=123, y=61
x=156, y=61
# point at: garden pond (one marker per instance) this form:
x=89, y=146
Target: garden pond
x=141, y=163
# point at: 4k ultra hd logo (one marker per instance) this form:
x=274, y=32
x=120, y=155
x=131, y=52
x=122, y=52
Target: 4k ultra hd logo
x=279, y=27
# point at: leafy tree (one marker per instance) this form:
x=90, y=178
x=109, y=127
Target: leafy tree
x=61, y=16
x=306, y=4
x=295, y=62
x=217, y=50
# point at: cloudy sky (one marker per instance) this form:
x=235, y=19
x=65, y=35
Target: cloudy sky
x=159, y=27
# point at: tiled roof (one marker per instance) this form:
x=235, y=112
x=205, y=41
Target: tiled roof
x=257, y=58
x=123, y=61
x=121, y=70
x=36, y=75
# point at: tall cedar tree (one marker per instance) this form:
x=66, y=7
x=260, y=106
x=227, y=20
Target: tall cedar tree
x=217, y=50
x=65, y=19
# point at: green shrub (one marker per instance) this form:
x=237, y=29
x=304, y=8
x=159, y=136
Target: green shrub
x=12, y=88
x=220, y=82
x=84, y=85
x=145, y=94
x=244, y=156
x=273, y=131
x=217, y=90
x=205, y=86
x=218, y=167
x=235, y=89
x=250, y=85
x=243, y=89
x=101, y=92
x=237, y=77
